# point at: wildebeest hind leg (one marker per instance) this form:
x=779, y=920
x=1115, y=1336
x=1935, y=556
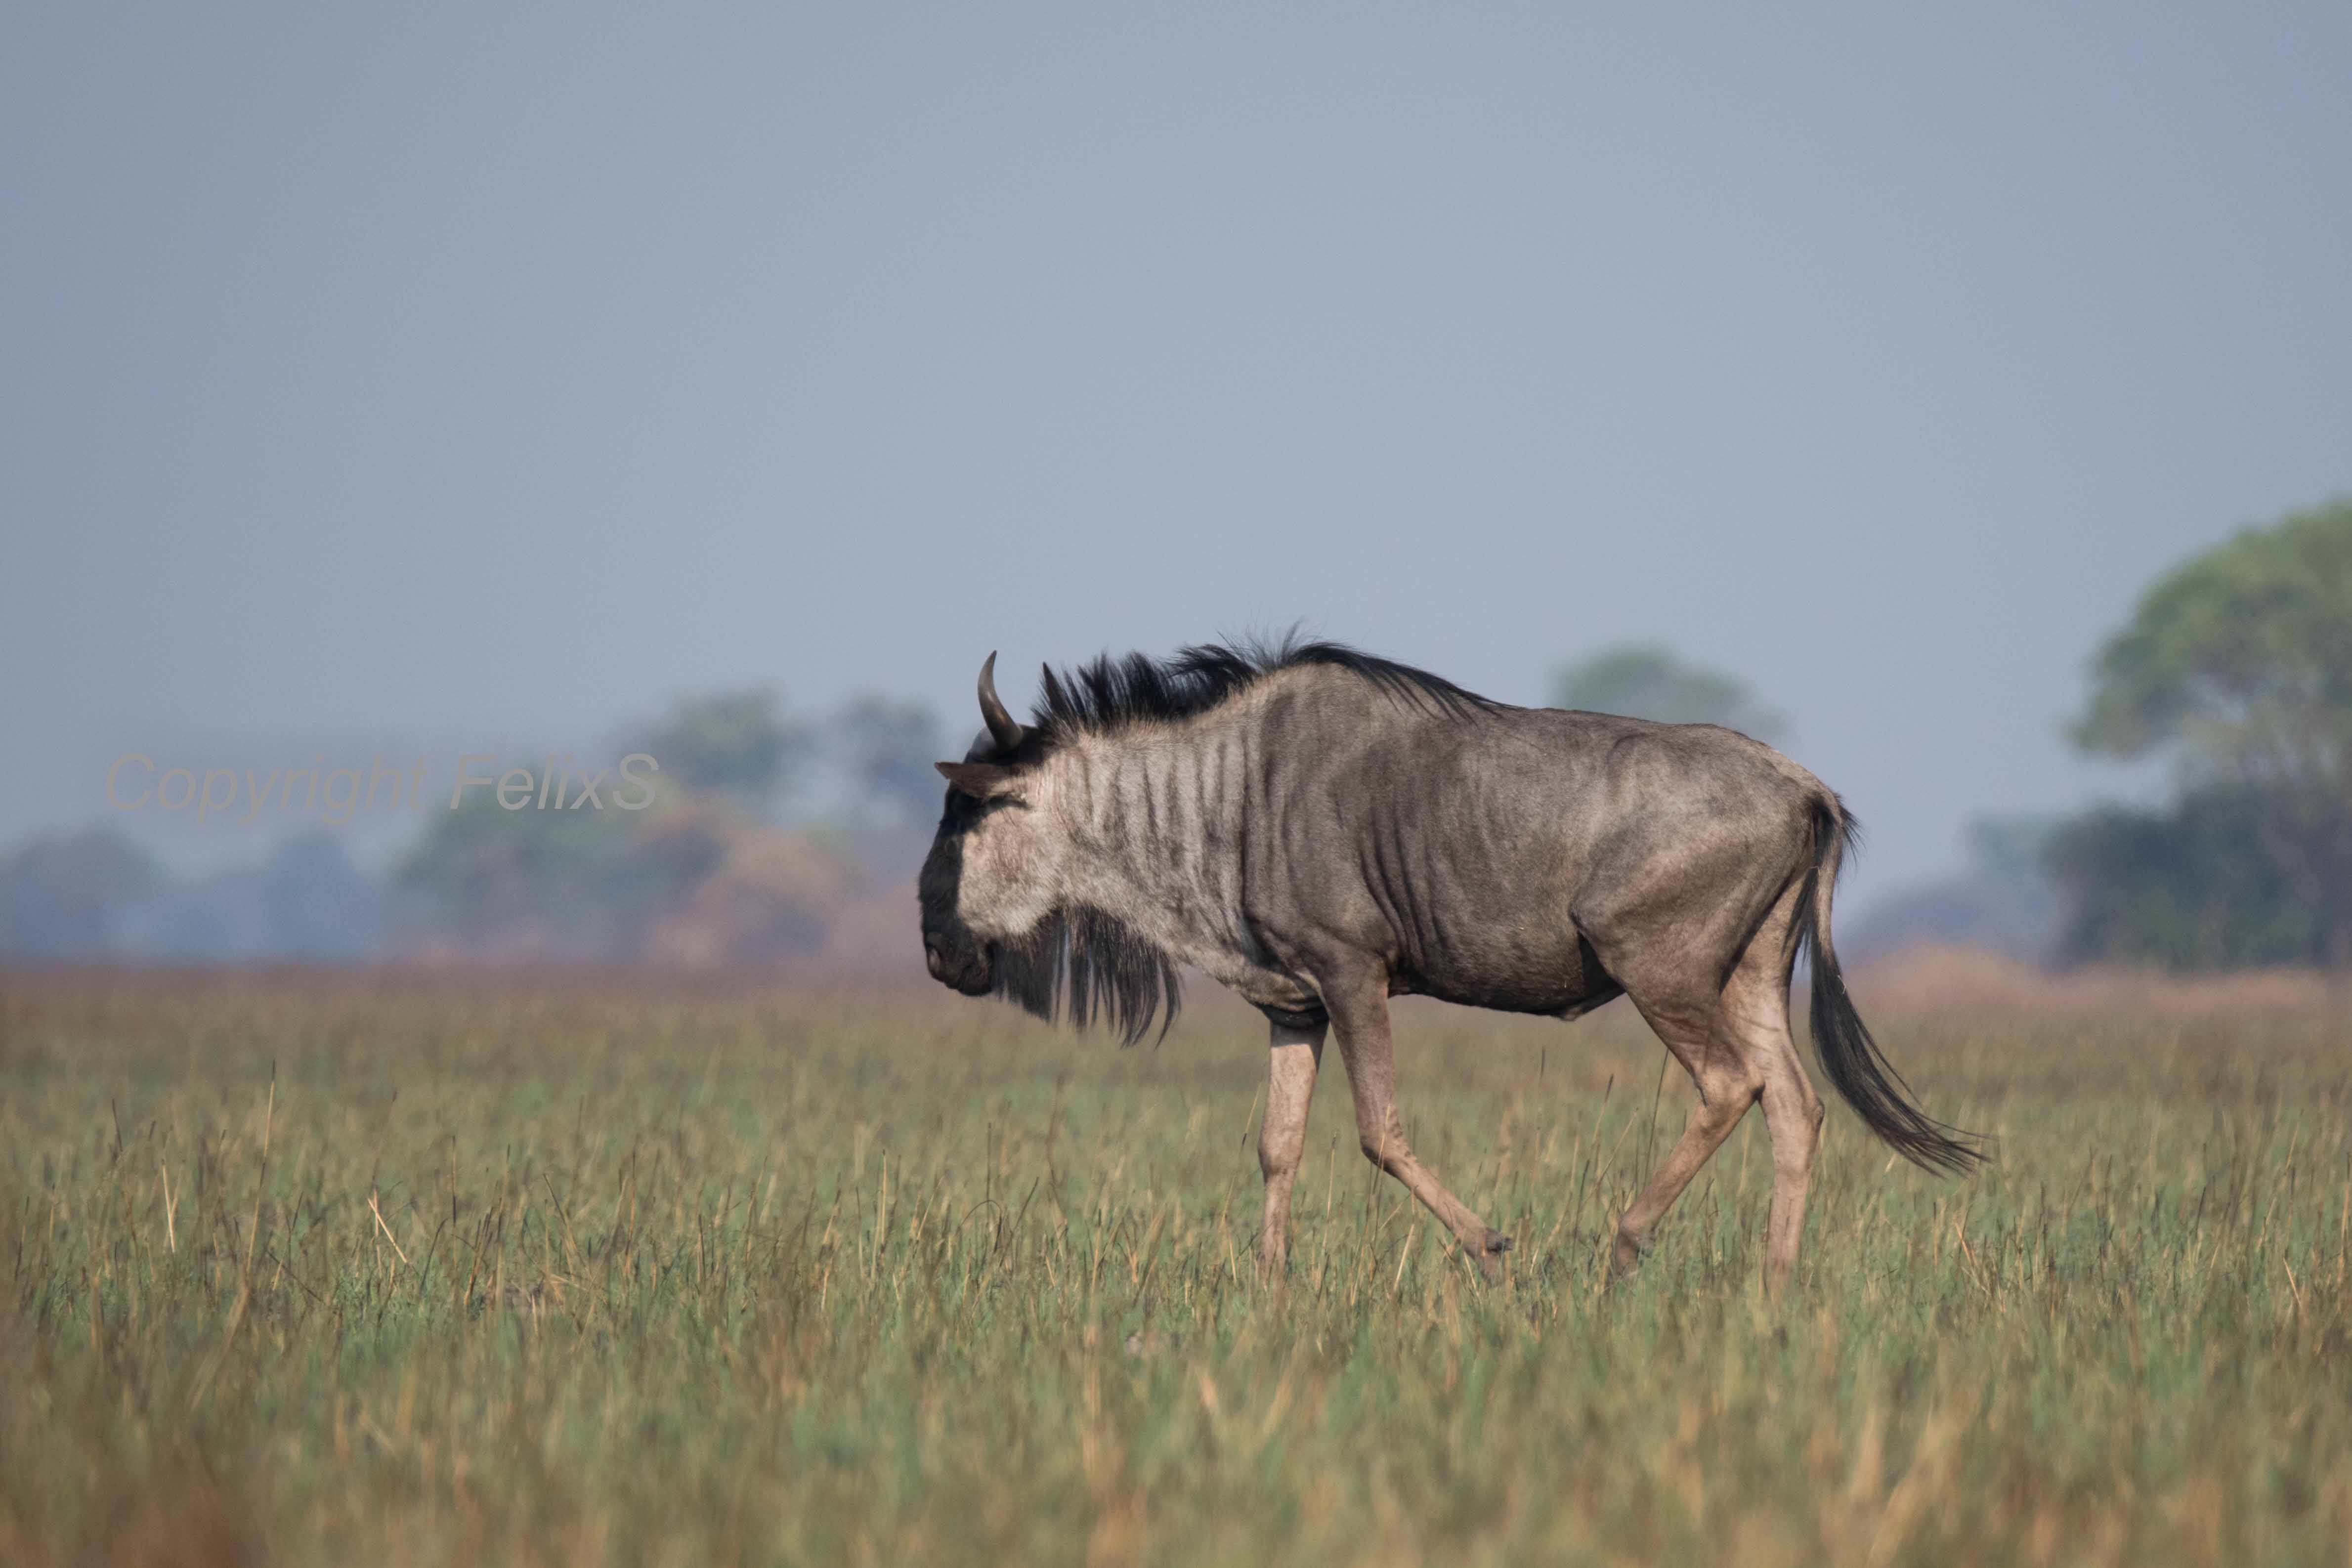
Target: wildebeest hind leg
x=1755, y=1008
x=1360, y=1012
x=1735, y=1045
x=1727, y=1085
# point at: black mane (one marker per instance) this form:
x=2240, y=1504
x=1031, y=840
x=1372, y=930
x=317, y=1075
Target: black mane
x=1109, y=694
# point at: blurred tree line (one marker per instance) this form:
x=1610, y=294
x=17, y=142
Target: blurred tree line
x=95, y=892
x=770, y=836
x=2236, y=665
x=709, y=876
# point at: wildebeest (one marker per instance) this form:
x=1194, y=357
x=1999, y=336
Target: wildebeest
x=1320, y=830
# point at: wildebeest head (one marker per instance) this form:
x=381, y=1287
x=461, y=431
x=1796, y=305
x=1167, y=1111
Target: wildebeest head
x=991, y=875
x=996, y=920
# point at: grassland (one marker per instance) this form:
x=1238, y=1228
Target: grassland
x=388, y=1271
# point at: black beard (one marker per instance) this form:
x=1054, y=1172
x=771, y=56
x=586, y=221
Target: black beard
x=1081, y=964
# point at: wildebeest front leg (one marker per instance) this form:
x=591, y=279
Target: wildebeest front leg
x=1282, y=1136
x=1362, y=1016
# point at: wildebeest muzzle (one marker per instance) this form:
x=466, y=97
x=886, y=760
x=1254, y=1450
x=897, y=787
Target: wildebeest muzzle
x=965, y=966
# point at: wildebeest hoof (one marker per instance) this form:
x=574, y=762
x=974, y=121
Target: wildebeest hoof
x=1497, y=1242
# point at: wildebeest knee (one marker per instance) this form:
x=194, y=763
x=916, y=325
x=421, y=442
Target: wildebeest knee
x=1278, y=1160
x=1724, y=1100
x=1817, y=1116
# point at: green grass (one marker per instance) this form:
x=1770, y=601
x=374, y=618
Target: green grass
x=464, y=1273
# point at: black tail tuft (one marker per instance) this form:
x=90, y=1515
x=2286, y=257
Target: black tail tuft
x=1855, y=1066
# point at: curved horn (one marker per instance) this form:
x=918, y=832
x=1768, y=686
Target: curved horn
x=1001, y=729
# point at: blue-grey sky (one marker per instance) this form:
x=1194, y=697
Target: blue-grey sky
x=495, y=372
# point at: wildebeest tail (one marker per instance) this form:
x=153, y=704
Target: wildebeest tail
x=1859, y=1071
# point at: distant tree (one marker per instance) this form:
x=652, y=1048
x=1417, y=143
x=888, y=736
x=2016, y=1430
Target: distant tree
x=888, y=748
x=2194, y=887
x=1647, y=680
x=306, y=900
x=319, y=904
x=63, y=895
x=2238, y=663
x=588, y=883
x=480, y=868
x=736, y=743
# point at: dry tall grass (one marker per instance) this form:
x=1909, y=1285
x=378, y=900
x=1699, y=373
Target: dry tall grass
x=390, y=1271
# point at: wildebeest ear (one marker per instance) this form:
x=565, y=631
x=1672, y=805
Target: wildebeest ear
x=980, y=780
